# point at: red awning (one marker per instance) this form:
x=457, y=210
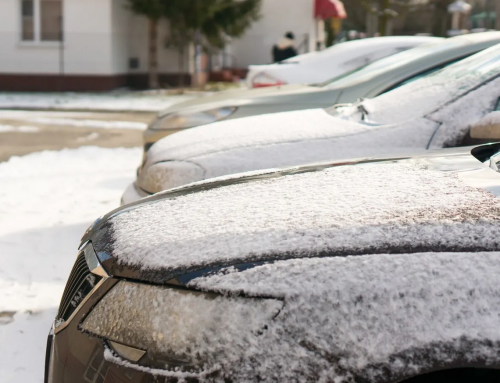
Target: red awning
x=325, y=9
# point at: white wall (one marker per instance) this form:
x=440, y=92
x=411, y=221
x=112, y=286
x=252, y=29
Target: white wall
x=278, y=17
x=102, y=35
x=87, y=45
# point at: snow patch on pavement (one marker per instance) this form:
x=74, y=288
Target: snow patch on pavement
x=91, y=123
x=22, y=129
x=114, y=101
x=48, y=199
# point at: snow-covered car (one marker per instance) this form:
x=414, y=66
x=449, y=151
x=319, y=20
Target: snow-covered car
x=371, y=271
x=431, y=112
x=369, y=81
x=316, y=67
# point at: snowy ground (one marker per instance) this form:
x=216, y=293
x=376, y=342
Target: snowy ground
x=98, y=120
x=110, y=101
x=47, y=200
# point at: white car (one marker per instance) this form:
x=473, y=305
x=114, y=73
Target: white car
x=432, y=112
x=316, y=67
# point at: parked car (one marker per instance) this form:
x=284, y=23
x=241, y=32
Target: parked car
x=378, y=271
x=370, y=81
x=316, y=67
x=431, y=112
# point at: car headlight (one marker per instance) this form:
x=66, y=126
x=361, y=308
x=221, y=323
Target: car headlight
x=183, y=120
x=179, y=326
x=167, y=175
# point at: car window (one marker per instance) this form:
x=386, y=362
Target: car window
x=422, y=74
x=389, y=63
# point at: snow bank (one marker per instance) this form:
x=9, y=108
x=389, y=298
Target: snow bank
x=112, y=101
x=405, y=206
x=48, y=200
x=91, y=123
x=21, y=129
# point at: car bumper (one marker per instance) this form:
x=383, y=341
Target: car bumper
x=132, y=194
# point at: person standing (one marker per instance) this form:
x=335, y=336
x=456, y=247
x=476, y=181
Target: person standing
x=285, y=48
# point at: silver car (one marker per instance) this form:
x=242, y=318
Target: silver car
x=369, y=81
x=432, y=112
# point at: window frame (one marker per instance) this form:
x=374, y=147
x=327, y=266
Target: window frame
x=37, y=26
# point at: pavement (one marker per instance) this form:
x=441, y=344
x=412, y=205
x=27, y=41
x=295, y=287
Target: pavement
x=24, y=132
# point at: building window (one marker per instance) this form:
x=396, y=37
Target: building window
x=51, y=20
x=42, y=20
x=28, y=20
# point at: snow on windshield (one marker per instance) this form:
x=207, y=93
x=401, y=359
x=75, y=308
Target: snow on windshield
x=387, y=64
x=427, y=94
x=404, y=206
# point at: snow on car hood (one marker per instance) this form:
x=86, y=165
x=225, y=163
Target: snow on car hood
x=376, y=318
x=267, y=141
x=346, y=209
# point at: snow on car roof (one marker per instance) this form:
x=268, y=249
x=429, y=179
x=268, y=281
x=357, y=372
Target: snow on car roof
x=353, y=45
x=377, y=318
x=350, y=209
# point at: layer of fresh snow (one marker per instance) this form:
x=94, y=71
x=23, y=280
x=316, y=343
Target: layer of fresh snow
x=432, y=112
x=425, y=95
x=492, y=118
x=111, y=101
x=276, y=140
x=405, y=206
x=374, y=318
x=320, y=66
x=48, y=199
x=161, y=320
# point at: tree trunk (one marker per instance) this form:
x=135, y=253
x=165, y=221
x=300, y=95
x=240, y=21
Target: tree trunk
x=383, y=18
x=153, y=54
x=498, y=14
x=181, y=66
x=440, y=18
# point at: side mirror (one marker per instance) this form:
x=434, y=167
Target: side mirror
x=487, y=127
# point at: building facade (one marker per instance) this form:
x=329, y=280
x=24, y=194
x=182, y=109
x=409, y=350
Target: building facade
x=95, y=45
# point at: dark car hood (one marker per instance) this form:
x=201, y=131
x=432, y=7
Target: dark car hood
x=134, y=242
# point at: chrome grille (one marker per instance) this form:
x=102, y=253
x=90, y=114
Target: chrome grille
x=80, y=282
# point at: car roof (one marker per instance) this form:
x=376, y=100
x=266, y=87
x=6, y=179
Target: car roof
x=360, y=44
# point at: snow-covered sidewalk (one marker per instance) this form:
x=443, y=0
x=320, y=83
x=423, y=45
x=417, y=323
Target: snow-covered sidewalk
x=110, y=101
x=47, y=201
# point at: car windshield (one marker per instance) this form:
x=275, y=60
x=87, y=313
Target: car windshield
x=428, y=93
x=389, y=63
